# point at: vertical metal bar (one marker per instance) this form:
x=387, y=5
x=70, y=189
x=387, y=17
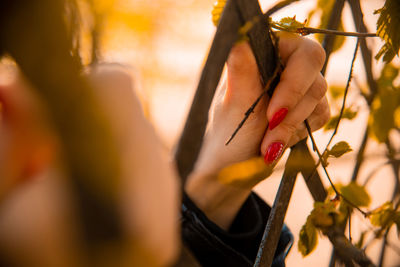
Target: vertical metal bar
x=192, y=136
x=274, y=226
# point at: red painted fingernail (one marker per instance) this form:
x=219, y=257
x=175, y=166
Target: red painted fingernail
x=273, y=152
x=278, y=118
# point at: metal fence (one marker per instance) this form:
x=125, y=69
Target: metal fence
x=235, y=15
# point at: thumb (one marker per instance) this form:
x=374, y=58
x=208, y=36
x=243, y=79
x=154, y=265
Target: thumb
x=243, y=78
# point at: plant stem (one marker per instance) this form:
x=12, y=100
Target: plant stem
x=327, y=174
x=308, y=30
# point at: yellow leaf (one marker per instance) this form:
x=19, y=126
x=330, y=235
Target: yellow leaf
x=322, y=214
x=308, y=238
x=347, y=114
x=383, y=216
x=289, y=24
x=339, y=149
x=248, y=172
x=356, y=194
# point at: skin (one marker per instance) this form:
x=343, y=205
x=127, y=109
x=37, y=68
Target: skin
x=152, y=227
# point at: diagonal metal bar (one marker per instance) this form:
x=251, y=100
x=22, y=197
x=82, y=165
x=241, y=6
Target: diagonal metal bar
x=310, y=175
x=192, y=136
x=274, y=226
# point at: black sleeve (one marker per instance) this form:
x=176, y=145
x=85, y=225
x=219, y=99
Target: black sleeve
x=213, y=246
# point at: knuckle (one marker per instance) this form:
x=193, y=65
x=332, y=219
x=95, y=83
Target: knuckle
x=288, y=128
x=324, y=115
x=294, y=96
x=317, y=53
x=320, y=88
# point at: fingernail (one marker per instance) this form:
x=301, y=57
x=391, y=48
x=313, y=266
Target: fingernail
x=278, y=118
x=273, y=152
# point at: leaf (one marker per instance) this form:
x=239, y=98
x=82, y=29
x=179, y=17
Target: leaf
x=382, y=118
x=347, y=114
x=339, y=149
x=336, y=91
x=289, y=24
x=387, y=28
x=248, y=172
x=383, y=216
x=308, y=238
x=322, y=214
x=217, y=10
x=356, y=194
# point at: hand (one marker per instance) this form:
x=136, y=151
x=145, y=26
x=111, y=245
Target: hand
x=299, y=95
x=27, y=145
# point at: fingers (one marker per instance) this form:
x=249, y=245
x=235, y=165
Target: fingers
x=316, y=120
x=313, y=106
x=303, y=59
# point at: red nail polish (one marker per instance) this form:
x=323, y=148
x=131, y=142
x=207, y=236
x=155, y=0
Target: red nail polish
x=273, y=152
x=278, y=118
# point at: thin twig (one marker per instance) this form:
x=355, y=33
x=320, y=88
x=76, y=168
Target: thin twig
x=345, y=94
x=308, y=30
x=253, y=106
x=327, y=174
x=343, y=105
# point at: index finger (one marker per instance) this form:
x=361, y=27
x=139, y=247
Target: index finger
x=303, y=59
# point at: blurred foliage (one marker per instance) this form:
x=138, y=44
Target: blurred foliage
x=348, y=114
x=248, y=172
x=324, y=9
x=384, y=217
x=336, y=91
x=331, y=213
x=388, y=29
x=385, y=105
x=216, y=12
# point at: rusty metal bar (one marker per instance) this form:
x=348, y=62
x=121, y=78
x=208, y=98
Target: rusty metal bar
x=191, y=139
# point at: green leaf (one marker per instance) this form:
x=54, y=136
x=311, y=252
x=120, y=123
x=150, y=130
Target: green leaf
x=356, y=194
x=339, y=149
x=382, y=118
x=388, y=29
x=308, y=238
x=347, y=114
x=383, y=216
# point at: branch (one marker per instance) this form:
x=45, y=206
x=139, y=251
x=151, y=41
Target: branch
x=253, y=106
x=345, y=94
x=308, y=30
x=360, y=154
x=333, y=24
x=345, y=250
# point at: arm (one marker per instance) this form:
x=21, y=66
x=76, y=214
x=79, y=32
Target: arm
x=276, y=124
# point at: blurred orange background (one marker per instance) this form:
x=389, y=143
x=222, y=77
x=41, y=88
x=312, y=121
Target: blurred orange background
x=164, y=43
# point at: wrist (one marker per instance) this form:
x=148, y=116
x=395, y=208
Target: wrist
x=219, y=202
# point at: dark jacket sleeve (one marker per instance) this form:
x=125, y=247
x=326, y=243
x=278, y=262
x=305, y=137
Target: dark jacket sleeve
x=213, y=246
